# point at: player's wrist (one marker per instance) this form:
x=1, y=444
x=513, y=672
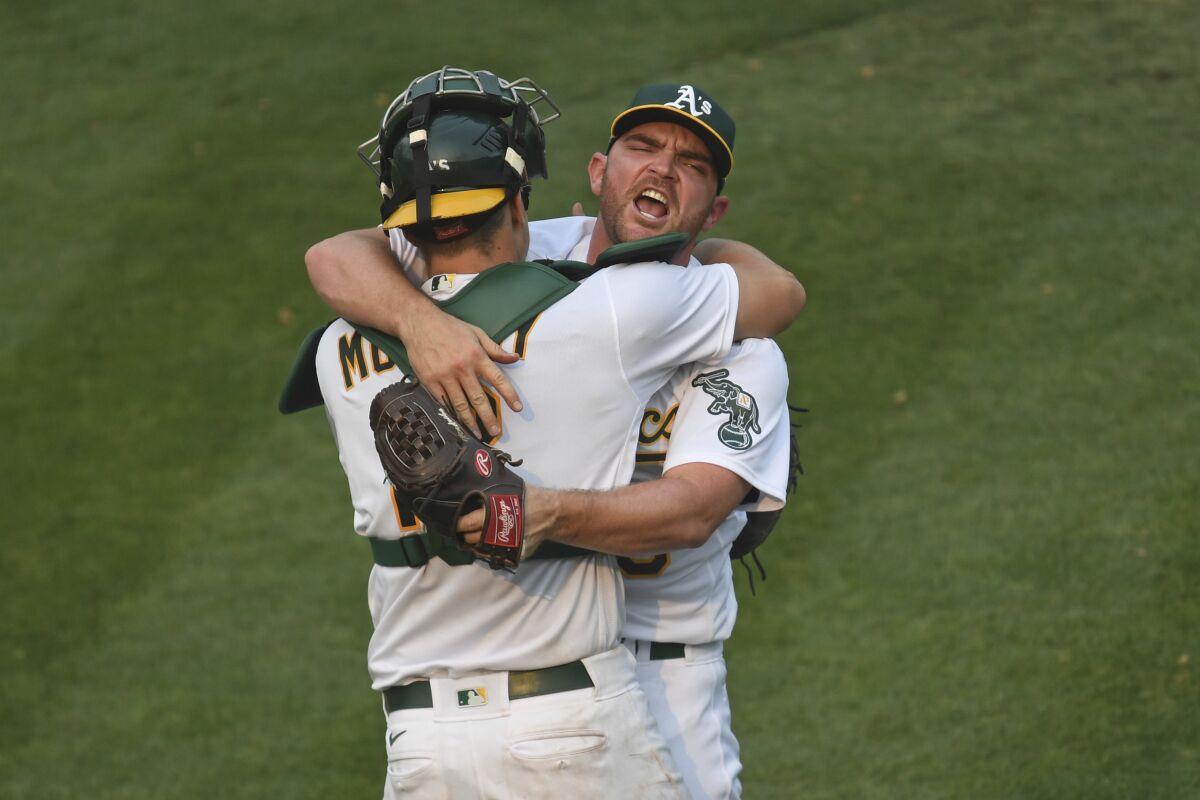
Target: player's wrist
x=410, y=315
x=542, y=514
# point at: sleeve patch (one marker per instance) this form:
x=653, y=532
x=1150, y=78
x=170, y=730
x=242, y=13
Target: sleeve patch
x=730, y=399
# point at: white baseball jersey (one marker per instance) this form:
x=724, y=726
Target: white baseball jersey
x=590, y=363
x=687, y=596
x=732, y=413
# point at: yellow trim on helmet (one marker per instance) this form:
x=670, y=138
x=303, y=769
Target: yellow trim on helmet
x=448, y=205
x=682, y=113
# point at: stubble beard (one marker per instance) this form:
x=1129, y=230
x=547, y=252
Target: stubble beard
x=612, y=204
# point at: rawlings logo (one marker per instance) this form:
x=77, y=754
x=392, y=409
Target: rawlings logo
x=483, y=463
x=504, y=520
x=741, y=407
x=687, y=94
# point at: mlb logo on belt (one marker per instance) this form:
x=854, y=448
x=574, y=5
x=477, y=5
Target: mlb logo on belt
x=472, y=697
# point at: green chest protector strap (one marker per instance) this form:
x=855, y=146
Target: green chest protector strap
x=499, y=300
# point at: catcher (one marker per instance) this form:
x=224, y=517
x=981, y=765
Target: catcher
x=517, y=677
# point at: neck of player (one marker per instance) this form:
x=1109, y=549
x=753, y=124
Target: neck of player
x=479, y=251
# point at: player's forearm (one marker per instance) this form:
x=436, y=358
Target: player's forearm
x=770, y=296
x=677, y=511
x=357, y=276
x=633, y=520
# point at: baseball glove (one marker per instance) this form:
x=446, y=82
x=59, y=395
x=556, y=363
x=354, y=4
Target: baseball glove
x=759, y=524
x=435, y=464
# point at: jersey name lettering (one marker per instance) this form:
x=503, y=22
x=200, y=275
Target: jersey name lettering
x=355, y=365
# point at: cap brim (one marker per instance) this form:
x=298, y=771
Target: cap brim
x=638, y=115
x=448, y=205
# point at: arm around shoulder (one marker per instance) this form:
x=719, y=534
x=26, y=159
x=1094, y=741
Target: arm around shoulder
x=357, y=275
x=770, y=297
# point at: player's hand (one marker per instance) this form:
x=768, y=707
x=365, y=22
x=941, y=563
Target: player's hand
x=471, y=526
x=577, y=209
x=455, y=361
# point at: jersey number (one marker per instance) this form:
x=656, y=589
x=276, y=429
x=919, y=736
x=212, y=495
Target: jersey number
x=650, y=567
x=406, y=520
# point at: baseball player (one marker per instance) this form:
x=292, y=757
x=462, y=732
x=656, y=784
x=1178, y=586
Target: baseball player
x=720, y=418
x=502, y=685
x=725, y=422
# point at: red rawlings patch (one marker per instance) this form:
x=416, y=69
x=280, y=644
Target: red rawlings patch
x=483, y=463
x=506, y=521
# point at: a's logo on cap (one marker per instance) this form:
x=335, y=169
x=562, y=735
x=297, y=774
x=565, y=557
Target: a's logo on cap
x=696, y=105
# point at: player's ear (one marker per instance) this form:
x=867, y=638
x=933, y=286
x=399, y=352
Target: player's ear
x=596, y=171
x=720, y=205
x=518, y=221
x=516, y=210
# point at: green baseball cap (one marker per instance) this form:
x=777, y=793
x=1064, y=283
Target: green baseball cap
x=684, y=104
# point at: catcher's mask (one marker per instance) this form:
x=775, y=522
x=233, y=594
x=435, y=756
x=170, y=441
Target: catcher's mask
x=455, y=145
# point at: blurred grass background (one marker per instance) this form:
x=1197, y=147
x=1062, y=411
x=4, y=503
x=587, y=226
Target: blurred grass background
x=987, y=585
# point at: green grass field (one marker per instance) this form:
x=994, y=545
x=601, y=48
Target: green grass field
x=987, y=586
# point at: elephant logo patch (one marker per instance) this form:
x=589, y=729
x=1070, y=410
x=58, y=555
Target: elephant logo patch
x=731, y=399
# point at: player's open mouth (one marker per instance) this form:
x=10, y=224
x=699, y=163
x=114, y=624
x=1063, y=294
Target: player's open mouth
x=651, y=204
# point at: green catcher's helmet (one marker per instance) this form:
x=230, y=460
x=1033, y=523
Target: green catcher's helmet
x=456, y=144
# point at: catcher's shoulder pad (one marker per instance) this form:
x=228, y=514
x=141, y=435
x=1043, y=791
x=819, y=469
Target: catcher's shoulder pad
x=571, y=270
x=657, y=248
x=301, y=390
x=502, y=298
